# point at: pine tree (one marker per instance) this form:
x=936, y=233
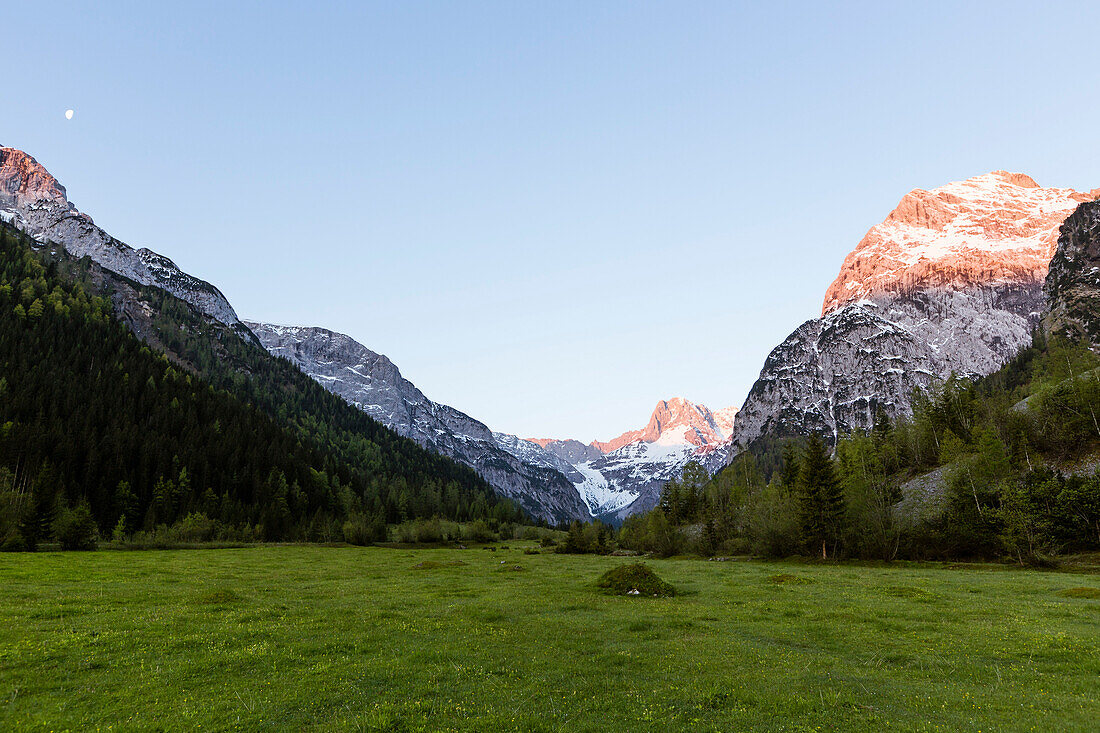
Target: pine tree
x=821, y=500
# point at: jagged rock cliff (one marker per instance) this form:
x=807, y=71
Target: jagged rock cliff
x=374, y=384
x=34, y=201
x=1073, y=281
x=951, y=281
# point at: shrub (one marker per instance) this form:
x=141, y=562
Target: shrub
x=653, y=533
x=478, y=532
x=635, y=579
x=1083, y=592
x=14, y=542
x=548, y=541
x=195, y=527
x=359, y=530
x=75, y=529
x=428, y=531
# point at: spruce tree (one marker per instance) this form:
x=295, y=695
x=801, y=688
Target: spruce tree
x=821, y=501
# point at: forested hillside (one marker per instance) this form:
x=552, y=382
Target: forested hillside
x=1001, y=466
x=192, y=426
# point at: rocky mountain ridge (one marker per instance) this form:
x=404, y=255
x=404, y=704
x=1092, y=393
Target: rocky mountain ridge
x=35, y=202
x=531, y=477
x=951, y=281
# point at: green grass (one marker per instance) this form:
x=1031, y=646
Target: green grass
x=324, y=638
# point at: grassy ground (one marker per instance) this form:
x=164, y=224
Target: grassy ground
x=272, y=638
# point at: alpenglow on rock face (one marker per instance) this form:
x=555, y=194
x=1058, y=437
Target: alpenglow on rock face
x=34, y=201
x=951, y=281
x=1073, y=281
x=374, y=384
x=624, y=476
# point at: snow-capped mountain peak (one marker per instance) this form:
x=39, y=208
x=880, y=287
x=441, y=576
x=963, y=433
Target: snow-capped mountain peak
x=625, y=475
x=699, y=422
x=995, y=228
x=949, y=282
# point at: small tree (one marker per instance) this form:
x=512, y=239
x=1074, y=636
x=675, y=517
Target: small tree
x=575, y=540
x=75, y=528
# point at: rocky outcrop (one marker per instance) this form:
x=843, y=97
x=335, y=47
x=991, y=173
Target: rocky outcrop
x=569, y=450
x=951, y=281
x=833, y=374
x=371, y=382
x=1073, y=282
x=34, y=201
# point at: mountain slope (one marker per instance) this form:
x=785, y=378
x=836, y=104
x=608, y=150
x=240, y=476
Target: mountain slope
x=35, y=202
x=951, y=281
x=202, y=422
x=373, y=384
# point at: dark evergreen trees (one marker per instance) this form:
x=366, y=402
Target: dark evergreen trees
x=193, y=422
x=820, y=499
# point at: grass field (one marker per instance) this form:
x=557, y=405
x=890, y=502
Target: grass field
x=273, y=638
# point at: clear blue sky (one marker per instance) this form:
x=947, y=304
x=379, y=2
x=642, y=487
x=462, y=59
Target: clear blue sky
x=549, y=215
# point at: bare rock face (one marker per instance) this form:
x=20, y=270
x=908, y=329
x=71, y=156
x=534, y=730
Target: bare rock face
x=1000, y=228
x=569, y=450
x=625, y=475
x=526, y=474
x=34, y=201
x=1073, y=281
x=951, y=281
x=833, y=374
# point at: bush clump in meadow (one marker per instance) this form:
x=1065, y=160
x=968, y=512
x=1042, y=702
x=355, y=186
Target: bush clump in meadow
x=1080, y=593
x=219, y=597
x=635, y=579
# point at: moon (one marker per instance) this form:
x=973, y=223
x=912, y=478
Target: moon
x=68, y=114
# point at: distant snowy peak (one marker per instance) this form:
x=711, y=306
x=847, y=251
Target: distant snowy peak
x=625, y=475
x=694, y=424
x=675, y=419
x=34, y=201
x=998, y=228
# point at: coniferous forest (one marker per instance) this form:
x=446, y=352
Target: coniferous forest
x=194, y=428
x=1001, y=466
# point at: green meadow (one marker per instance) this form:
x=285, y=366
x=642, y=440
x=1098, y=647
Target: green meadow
x=345, y=638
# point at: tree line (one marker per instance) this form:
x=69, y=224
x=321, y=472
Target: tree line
x=987, y=468
x=104, y=433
